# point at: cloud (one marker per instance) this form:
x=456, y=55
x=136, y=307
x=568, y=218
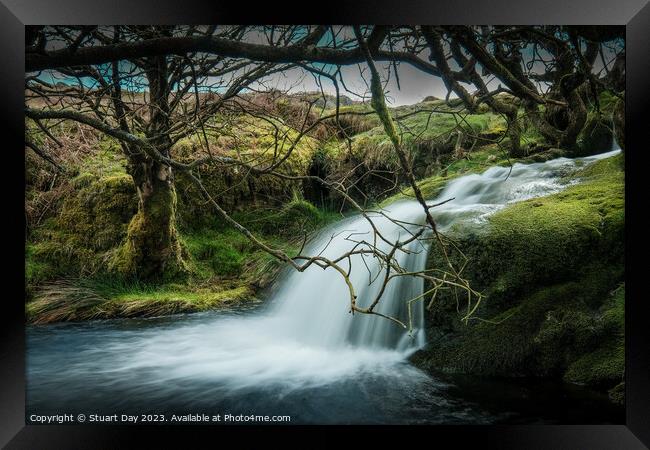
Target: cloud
x=414, y=85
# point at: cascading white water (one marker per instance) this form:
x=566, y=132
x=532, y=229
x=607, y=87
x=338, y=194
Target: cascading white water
x=312, y=305
x=306, y=341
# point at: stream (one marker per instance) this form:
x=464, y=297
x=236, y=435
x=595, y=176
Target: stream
x=301, y=353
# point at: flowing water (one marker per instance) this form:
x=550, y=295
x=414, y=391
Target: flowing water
x=303, y=354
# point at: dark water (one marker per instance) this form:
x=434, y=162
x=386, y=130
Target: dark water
x=535, y=401
x=118, y=367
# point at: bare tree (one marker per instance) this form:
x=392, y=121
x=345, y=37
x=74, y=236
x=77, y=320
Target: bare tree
x=150, y=87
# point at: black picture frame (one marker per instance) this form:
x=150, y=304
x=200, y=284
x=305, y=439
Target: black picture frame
x=634, y=14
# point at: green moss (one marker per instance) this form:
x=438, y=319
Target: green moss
x=608, y=168
x=547, y=267
x=224, y=252
x=93, y=219
x=601, y=367
x=97, y=213
x=613, y=312
x=604, y=366
x=617, y=393
x=510, y=343
x=151, y=248
x=291, y=221
x=252, y=141
x=295, y=216
x=550, y=239
x=427, y=137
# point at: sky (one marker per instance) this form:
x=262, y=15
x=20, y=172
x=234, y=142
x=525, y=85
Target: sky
x=414, y=85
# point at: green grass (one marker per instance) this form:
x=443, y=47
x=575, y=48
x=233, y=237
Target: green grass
x=106, y=298
x=216, y=253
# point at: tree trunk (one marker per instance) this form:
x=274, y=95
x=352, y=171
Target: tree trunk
x=577, y=117
x=619, y=123
x=152, y=248
x=514, y=133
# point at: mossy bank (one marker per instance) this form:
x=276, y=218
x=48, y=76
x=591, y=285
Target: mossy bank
x=552, y=272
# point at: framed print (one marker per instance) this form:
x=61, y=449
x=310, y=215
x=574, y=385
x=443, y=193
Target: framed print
x=409, y=218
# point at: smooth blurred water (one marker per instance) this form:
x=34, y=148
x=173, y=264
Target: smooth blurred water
x=303, y=354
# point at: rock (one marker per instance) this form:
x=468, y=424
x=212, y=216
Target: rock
x=547, y=268
x=596, y=136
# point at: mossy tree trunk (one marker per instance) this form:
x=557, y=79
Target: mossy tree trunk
x=619, y=122
x=152, y=248
x=514, y=133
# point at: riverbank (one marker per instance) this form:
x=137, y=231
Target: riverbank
x=552, y=272
x=225, y=269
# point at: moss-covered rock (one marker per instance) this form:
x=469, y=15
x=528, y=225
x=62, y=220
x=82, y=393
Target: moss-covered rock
x=234, y=187
x=596, y=135
x=550, y=270
x=617, y=393
x=99, y=211
x=93, y=219
x=604, y=366
x=541, y=335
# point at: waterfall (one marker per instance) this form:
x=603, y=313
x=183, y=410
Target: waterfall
x=313, y=306
x=305, y=341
